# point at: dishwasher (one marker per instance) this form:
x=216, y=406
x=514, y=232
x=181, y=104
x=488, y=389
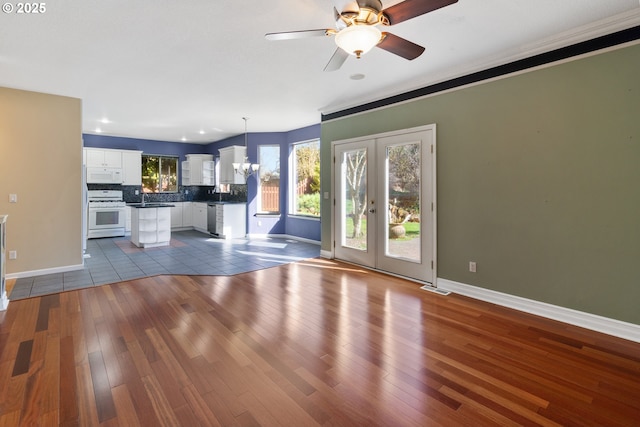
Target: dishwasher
x=211, y=219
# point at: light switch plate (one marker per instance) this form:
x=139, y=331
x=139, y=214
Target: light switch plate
x=13, y=198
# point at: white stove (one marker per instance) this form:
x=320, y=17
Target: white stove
x=107, y=213
x=106, y=204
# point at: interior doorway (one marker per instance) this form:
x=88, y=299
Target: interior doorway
x=384, y=212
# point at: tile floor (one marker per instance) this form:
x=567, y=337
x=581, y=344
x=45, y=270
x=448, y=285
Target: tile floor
x=191, y=253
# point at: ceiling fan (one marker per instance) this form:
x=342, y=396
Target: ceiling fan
x=357, y=30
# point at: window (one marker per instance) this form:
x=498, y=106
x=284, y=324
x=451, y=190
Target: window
x=269, y=186
x=159, y=174
x=305, y=179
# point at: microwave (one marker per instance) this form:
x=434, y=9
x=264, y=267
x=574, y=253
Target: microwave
x=104, y=175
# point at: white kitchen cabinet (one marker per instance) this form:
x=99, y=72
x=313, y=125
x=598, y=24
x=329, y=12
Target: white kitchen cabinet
x=127, y=221
x=181, y=215
x=102, y=158
x=228, y=156
x=200, y=216
x=151, y=227
x=187, y=214
x=231, y=219
x=198, y=169
x=131, y=167
x=176, y=215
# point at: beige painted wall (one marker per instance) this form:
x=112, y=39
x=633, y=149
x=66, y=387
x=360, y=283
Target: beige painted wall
x=41, y=162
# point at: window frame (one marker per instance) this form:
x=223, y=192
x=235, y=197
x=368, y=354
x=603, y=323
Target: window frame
x=293, y=180
x=261, y=211
x=160, y=159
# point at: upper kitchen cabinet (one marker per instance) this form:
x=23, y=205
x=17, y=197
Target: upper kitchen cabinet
x=228, y=156
x=109, y=166
x=131, y=167
x=199, y=169
x=102, y=158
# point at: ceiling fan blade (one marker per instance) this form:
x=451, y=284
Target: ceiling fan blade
x=351, y=7
x=336, y=61
x=411, y=8
x=290, y=35
x=399, y=46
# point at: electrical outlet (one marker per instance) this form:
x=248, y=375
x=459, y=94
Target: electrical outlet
x=472, y=266
x=13, y=198
x=13, y=254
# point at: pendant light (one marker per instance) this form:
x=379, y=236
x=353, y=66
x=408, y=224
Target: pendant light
x=246, y=168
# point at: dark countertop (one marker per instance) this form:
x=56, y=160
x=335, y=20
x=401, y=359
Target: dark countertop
x=150, y=205
x=225, y=203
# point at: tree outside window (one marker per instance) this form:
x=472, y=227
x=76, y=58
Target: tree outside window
x=269, y=185
x=159, y=174
x=305, y=191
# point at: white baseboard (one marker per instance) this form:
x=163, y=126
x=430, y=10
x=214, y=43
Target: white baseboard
x=594, y=322
x=44, y=271
x=282, y=236
x=326, y=254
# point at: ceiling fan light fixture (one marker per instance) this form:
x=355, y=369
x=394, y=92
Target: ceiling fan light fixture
x=358, y=39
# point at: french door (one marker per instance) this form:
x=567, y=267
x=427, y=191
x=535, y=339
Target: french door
x=384, y=212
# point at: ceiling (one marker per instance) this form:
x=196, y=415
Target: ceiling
x=191, y=70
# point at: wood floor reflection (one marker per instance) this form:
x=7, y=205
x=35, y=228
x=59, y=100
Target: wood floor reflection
x=305, y=344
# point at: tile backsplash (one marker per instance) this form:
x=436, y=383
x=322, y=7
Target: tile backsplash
x=185, y=194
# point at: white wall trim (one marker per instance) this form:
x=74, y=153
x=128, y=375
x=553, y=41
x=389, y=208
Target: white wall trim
x=282, y=236
x=326, y=254
x=594, y=322
x=44, y=271
x=590, y=31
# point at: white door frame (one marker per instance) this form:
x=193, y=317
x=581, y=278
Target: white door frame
x=433, y=225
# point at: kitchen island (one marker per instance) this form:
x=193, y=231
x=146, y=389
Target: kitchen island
x=150, y=224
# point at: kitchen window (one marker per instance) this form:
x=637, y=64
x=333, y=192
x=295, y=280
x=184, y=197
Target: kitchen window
x=304, y=187
x=269, y=183
x=159, y=174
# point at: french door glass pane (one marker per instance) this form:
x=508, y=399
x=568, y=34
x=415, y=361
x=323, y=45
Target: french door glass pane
x=354, y=170
x=403, y=192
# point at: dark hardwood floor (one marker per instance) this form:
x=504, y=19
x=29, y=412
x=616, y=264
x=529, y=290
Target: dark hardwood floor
x=310, y=343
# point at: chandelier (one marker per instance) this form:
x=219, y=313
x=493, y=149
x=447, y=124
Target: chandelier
x=245, y=168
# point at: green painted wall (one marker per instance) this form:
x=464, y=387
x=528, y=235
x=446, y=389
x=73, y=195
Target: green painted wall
x=538, y=181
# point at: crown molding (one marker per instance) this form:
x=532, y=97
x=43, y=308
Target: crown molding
x=586, y=35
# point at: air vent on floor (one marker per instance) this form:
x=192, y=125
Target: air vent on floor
x=435, y=290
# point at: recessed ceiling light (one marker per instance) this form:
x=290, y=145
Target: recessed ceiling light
x=98, y=130
x=184, y=139
x=105, y=120
x=201, y=132
x=357, y=76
